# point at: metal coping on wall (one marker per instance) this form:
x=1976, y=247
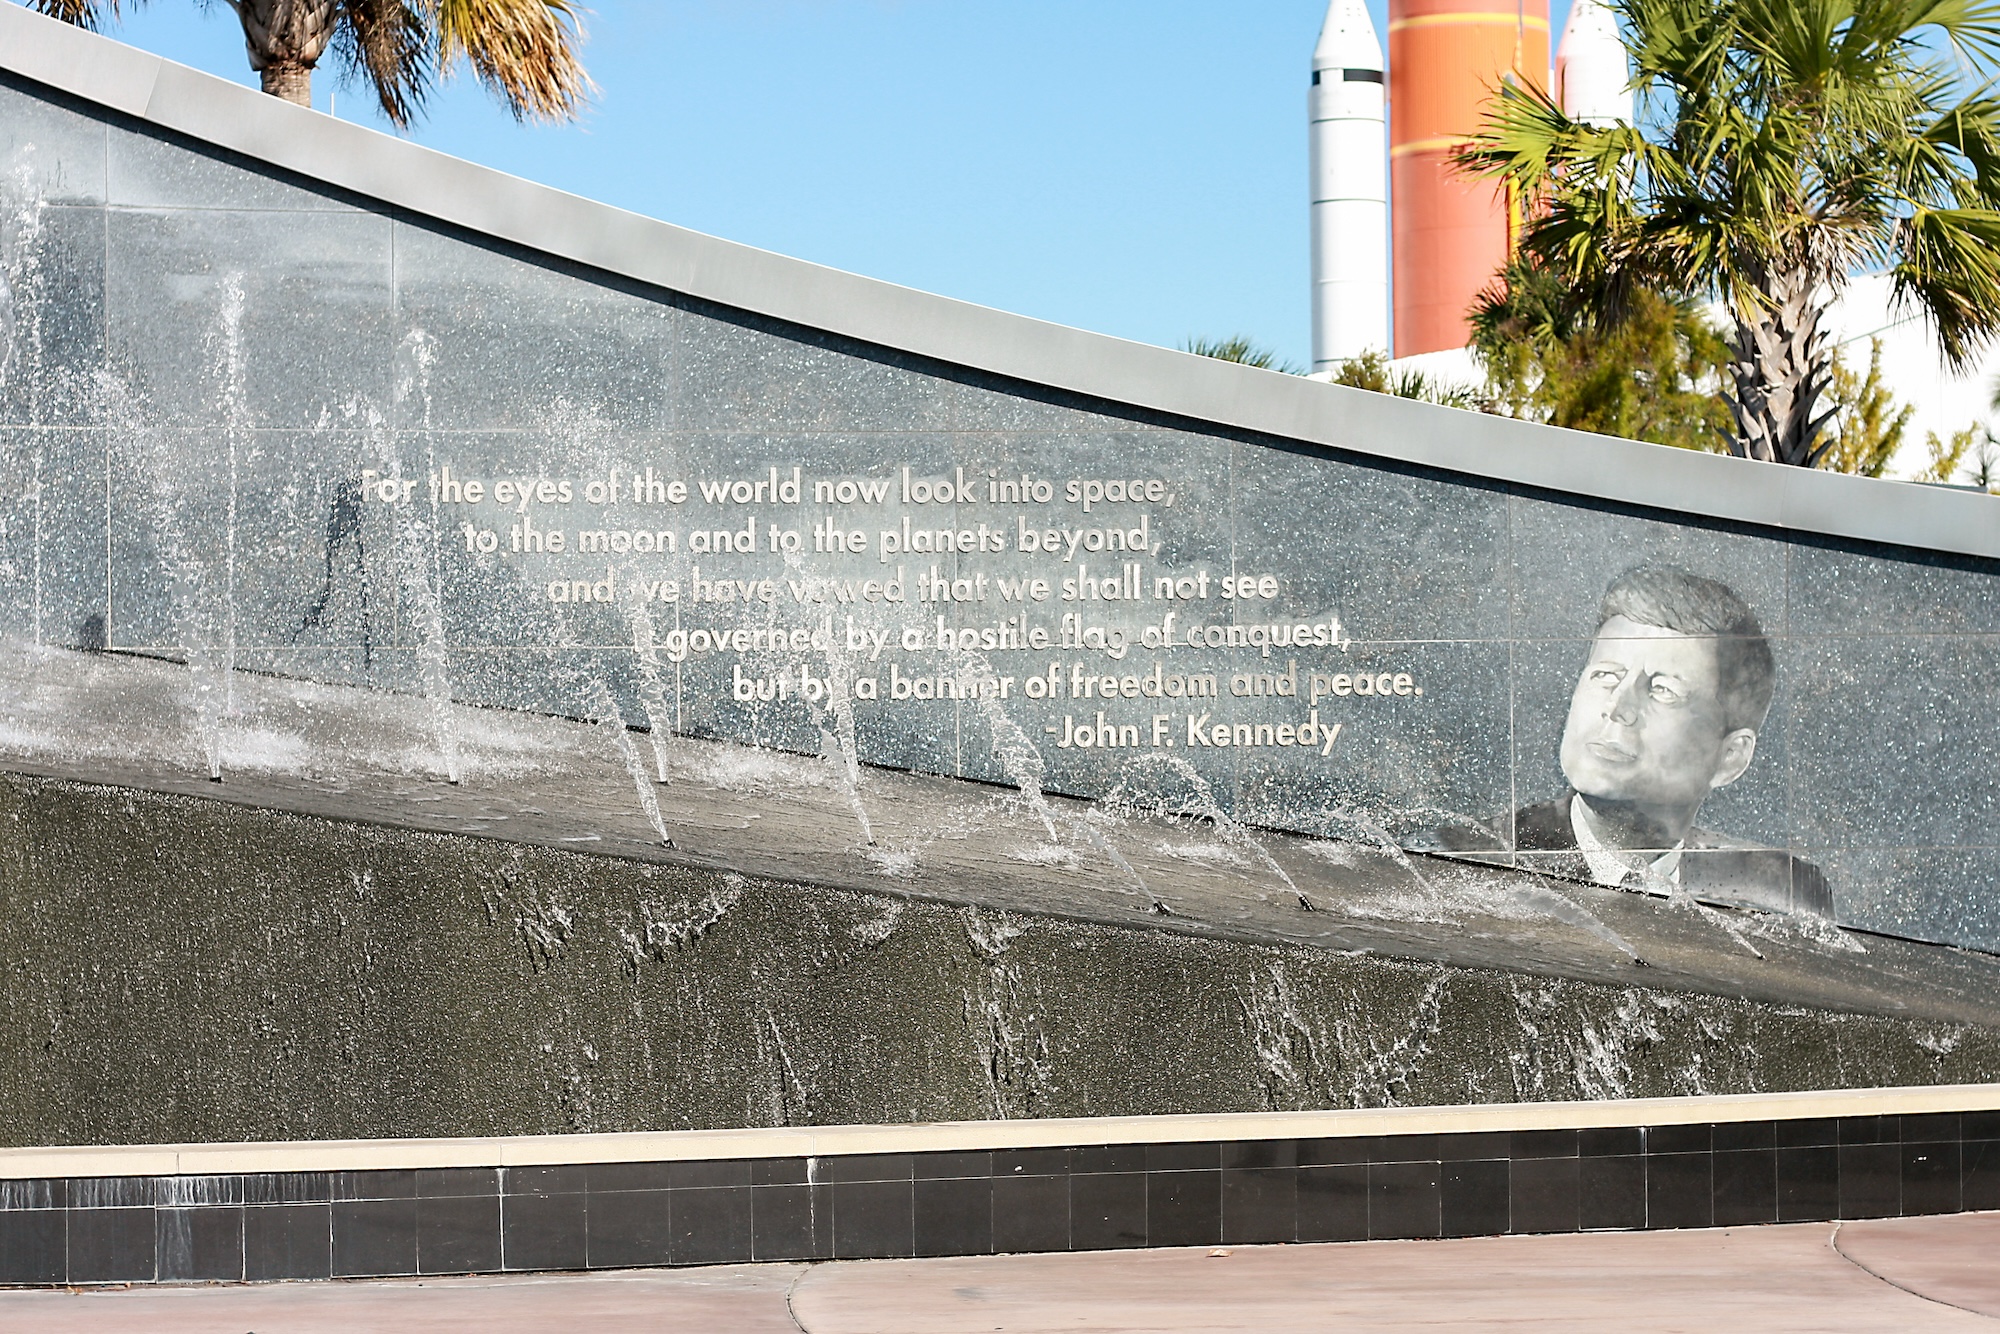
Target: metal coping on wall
x=1051, y=356
x=954, y=1136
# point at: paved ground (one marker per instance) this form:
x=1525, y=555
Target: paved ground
x=1890, y=1277
x=723, y=1300
x=1954, y=1260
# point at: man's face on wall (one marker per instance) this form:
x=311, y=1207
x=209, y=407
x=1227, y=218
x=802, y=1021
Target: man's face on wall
x=1646, y=724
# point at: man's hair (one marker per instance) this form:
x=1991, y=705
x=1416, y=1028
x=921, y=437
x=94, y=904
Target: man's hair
x=1672, y=599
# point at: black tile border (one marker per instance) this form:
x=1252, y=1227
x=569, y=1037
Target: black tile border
x=264, y=1227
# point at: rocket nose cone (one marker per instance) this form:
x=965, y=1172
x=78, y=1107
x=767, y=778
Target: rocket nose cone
x=1590, y=29
x=1347, y=40
x=1592, y=69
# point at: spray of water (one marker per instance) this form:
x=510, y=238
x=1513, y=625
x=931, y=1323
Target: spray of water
x=1348, y=821
x=652, y=689
x=601, y=706
x=226, y=346
x=421, y=561
x=835, y=717
x=1677, y=895
x=21, y=228
x=191, y=586
x=437, y=681
x=840, y=704
x=1201, y=803
x=847, y=776
x=1801, y=926
x=420, y=605
x=1543, y=898
x=1018, y=757
x=578, y=430
x=1111, y=854
x=7, y=326
x=432, y=660
x=608, y=715
x=1021, y=761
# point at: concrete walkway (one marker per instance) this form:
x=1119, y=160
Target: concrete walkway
x=1885, y=1277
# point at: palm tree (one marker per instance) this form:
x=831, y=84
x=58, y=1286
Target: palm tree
x=1784, y=146
x=1238, y=348
x=1371, y=371
x=524, y=51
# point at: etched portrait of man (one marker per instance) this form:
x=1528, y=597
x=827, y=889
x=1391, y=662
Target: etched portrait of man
x=1667, y=709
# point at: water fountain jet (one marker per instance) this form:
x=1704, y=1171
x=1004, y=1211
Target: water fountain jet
x=419, y=548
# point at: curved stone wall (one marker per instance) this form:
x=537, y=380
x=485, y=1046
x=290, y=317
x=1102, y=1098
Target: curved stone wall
x=271, y=976
x=266, y=424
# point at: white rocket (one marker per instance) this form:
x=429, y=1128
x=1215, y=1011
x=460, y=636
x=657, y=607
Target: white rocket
x=1350, y=194
x=1591, y=67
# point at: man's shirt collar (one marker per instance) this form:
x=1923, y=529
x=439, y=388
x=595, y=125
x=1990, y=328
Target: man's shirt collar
x=1608, y=866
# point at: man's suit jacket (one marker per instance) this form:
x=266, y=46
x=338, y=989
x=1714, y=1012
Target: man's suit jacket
x=1713, y=868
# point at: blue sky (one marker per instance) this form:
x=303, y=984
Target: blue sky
x=1132, y=168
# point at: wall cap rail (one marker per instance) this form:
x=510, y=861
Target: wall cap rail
x=130, y=1160
x=430, y=184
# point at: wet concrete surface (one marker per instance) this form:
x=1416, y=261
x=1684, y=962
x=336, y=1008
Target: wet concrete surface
x=358, y=755
x=1921, y=1275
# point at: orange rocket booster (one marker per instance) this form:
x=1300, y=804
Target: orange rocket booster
x=1451, y=234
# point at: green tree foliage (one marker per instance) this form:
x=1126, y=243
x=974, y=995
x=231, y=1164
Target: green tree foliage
x=1969, y=456
x=1372, y=371
x=1783, y=146
x=1240, y=349
x=524, y=51
x=1649, y=370
x=1947, y=453
x=1983, y=468
x=1867, y=426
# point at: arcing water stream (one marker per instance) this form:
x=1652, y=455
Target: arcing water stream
x=419, y=556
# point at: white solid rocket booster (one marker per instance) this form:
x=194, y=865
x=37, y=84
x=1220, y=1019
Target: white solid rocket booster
x=1591, y=68
x=1350, y=194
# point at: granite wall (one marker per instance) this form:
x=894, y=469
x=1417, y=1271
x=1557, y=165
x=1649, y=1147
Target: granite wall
x=271, y=976
x=234, y=404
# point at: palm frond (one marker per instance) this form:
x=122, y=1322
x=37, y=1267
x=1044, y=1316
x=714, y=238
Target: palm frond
x=1951, y=270
x=1961, y=137
x=1241, y=350
x=1972, y=27
x=88, y=14
x=385, y=43
x=523, y=50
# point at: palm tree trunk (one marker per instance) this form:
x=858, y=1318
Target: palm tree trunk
x=285, y=39
x=1781, y=368
x=289, y=79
